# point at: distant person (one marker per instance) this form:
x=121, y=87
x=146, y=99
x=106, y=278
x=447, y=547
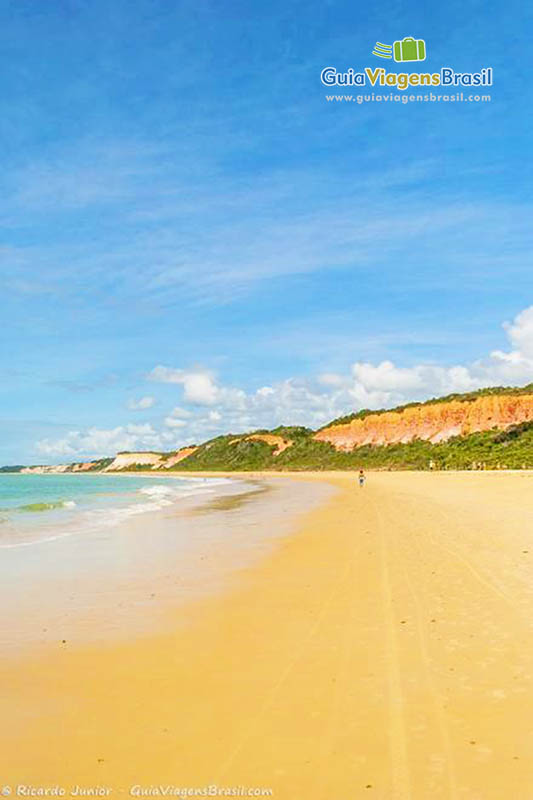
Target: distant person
x=362, y=478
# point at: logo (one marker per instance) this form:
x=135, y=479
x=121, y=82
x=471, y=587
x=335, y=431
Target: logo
x=382, y=50
x=407, y=49
x=410, y=49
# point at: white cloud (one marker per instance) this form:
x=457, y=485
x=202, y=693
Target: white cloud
x=366, y=385
x=166, y=375
x=386, y=384
x=298, y=401
x=330, y=379
x=173, y=422
x=142, y=403
x=183, y=413
x=520, y=332
x=200, y=387
x=101, y=442
x=178, y=418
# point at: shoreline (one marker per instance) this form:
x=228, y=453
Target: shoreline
x=383, y=648
x=84, y=512
x=104, y=582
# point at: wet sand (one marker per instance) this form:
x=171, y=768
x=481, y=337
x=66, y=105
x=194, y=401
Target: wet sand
x=382, y=649
x=111, y=582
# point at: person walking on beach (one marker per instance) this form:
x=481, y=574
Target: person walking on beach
x=362, y=478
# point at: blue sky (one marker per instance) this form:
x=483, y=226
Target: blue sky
x=195, y=241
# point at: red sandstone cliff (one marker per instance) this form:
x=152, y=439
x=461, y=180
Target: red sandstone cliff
x=434, y=422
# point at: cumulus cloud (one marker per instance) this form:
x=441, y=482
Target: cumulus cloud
x=520, y=333
x=182, y=413
x=313, y=402
x=200, y=387
x=178, y=417
x=215, y=408
x=385, y=384
x=142, y=403
x=101, y=442
x=173, y=422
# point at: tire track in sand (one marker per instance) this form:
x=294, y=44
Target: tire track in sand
x=436, y=698
x=342, y=672
x=400, y=772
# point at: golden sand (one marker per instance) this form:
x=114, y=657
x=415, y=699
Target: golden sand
x=384, y=650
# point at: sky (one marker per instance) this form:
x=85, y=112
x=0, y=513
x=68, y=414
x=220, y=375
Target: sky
x=194, y=241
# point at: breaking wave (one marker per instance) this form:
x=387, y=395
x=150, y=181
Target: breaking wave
x=103, y=510
x=33, y=508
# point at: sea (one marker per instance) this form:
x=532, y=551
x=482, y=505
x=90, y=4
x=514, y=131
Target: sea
x=40, y=507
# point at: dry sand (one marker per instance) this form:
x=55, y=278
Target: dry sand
x=384, y=650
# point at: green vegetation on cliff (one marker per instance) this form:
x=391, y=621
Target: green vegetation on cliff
x=229, y=453
x=102, y=463
x=512, y=449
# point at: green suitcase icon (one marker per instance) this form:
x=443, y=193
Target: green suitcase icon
x=410, y=49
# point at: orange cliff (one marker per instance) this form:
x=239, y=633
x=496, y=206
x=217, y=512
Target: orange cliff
x=434, y=422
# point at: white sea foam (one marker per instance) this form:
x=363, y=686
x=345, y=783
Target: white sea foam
x=158, y=496
x=158, y=491
x=43, y=540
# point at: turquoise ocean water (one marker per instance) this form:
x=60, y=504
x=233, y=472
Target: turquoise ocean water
x=33, y=507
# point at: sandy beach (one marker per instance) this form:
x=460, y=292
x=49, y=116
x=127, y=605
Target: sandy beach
x=382, y=648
